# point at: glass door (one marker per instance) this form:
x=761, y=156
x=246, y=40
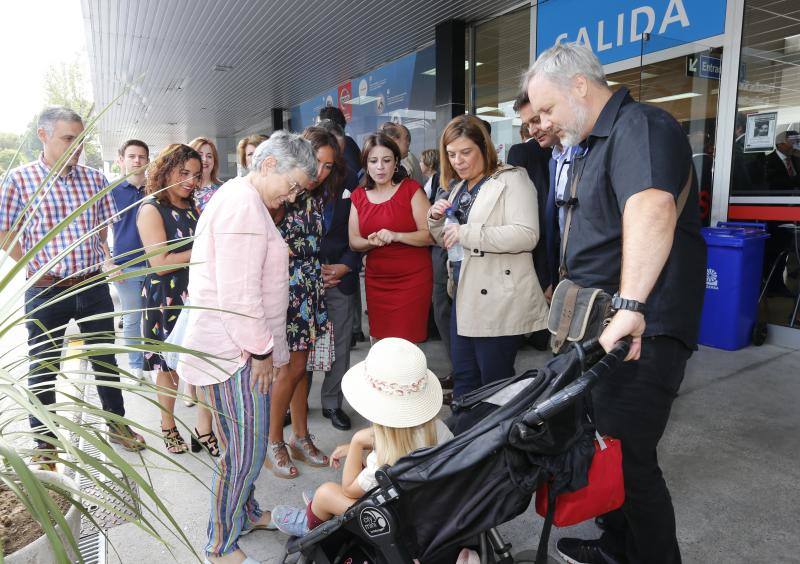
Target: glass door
x=687, y=87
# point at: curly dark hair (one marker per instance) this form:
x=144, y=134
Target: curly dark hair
x=381, y=140
x=161, y=167
x=320, y=137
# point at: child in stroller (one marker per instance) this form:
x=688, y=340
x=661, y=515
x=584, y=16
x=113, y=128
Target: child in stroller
x=510, y=436
x=395, y=391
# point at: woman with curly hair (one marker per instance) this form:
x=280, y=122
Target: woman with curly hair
x=209, y=182
x=167, y=215
x=307, y=323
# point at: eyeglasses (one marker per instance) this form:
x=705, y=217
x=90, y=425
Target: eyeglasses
x=295, y=188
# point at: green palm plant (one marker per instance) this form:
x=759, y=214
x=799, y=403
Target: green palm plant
x=116, y=481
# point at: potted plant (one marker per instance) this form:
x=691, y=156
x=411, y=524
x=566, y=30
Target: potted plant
x=116, y=479
x=30, y=544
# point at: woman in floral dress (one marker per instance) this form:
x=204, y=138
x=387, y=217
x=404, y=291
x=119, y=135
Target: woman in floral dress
x=307, y=323
x=166, y=216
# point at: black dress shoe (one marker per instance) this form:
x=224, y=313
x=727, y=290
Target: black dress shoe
x=339, y=418
x=577, y=551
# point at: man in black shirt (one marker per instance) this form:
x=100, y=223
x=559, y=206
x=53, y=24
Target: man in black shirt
x=627, y=237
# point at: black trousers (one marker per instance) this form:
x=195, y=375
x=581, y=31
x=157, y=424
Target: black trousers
x=46, y=345
x=634, y=405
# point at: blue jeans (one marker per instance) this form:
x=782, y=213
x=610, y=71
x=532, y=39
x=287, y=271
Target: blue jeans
x=478, y=361
x=130, y=297
x=45, y=346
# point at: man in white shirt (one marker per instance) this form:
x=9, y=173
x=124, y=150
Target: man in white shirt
x=558, y=193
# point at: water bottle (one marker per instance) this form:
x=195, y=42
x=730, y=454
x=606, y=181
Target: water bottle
x=456, y=252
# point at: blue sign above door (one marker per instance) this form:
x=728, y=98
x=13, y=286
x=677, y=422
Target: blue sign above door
x=613, y=29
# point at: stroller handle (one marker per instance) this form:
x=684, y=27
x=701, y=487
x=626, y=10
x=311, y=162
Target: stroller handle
x=566, y=397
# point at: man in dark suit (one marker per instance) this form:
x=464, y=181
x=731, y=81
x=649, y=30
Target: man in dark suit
x=340, y=267
x=783, y=164
x=352, y=155
x=535, y=159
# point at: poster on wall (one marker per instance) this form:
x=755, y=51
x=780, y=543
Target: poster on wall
x=345, y=95
x=385, y=89
x=306, y=113
x=402, y=91
x=760, y=132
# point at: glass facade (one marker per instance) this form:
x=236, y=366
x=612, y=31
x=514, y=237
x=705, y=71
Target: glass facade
x=670, y=53
x=502, y=54
x=402, y=91
x=765, y=174
x=768, y=98
x=676, y=86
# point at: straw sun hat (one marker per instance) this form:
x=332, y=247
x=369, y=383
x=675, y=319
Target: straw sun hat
x=393, y=386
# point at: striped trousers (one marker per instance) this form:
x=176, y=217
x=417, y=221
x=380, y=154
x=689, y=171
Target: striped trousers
x=241, y=417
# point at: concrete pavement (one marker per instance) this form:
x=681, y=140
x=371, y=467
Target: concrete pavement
x=729, y=455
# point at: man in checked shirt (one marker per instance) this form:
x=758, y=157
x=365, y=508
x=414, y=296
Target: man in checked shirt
x=68, y=188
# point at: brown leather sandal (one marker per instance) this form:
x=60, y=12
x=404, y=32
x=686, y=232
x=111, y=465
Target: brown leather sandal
x=173, y=441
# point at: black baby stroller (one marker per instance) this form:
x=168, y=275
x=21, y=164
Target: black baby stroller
x=510, y=436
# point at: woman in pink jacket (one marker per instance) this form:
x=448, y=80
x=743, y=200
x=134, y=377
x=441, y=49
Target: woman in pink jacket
x=240, y=278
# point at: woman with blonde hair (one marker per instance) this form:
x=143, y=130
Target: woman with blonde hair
x=245, y=149
x=209, y=183
x=497, y=297
x=429, y=163
x=394, y=390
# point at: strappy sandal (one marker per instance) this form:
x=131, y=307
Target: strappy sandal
x=206, y=442
x=173, y=441
x=304, y=449
x=279, y=461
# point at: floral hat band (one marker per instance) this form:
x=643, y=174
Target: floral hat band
x=394, y=388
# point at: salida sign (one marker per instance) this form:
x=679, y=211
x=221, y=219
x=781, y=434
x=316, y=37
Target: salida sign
x=614, y=30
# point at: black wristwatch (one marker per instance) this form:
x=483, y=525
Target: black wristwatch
x=261, y=356
x=618, y=303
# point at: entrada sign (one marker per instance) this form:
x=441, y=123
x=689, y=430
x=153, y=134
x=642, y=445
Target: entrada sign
x=614, y=29
x=703, y=66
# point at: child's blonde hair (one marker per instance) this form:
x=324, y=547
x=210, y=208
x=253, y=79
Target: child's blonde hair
x=391, y=443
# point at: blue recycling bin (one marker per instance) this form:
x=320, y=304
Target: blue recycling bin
x=733, y=280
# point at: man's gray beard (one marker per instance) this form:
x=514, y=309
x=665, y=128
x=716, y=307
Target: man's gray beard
x=572, y=133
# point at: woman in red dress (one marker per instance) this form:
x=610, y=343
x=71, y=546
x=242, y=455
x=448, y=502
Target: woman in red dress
x=388, y=222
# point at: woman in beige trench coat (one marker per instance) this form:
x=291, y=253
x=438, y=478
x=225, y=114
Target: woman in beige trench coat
x=497, y=297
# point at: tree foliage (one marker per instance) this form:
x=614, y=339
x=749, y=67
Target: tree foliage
x=64, y=85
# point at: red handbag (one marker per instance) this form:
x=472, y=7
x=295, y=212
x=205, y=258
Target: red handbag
x=605, y=491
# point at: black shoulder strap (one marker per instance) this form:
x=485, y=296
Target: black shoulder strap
x=544, y=536
x=571, y=203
